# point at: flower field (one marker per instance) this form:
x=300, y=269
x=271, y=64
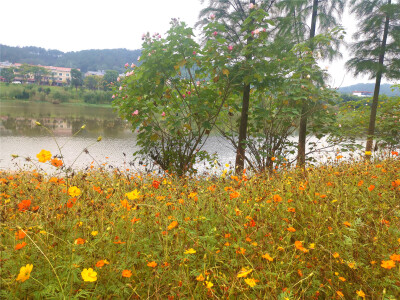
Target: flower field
x=330, y=232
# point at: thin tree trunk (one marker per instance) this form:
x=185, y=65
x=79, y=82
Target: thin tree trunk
x=241, y=150
x=301, y=155
x=375, y=99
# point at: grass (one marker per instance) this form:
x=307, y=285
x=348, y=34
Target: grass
x=332, y=232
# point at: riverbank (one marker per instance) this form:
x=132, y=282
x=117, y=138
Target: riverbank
x=54, y=94
x=330, y=232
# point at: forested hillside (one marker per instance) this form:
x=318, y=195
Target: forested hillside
x=369, y=87
x=85, y=60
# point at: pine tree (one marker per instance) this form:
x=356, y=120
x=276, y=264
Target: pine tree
x=377, y=48
x=292, y=26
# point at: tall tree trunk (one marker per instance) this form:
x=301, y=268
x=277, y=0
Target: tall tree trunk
x=301, y=155
x=241, y=150
x=375, y=99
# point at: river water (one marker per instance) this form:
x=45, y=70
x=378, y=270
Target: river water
x=19, y=135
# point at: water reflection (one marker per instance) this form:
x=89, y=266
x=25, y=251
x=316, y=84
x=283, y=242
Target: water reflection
x=18, y=118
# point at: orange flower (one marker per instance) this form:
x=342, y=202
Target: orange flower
x=291, y=209
x=388, y=264
x=267, y=257
x=20, y=235
x=24, y=205
x=291, y=229
x=396, y=183
x=395, y=257
x=56, y=162
x=79, y=241
x=20, y=246
x=172, y=225
x=155, y=184
x=299, y=246
x=152, y=264
x=234, y=195
x=126, y=273
x=360, y=183
x=277, y=198
x=395, y=153
x=347, y=224
x=340, y=294
x=371, y=187
x=101, y=263
x=335, y=255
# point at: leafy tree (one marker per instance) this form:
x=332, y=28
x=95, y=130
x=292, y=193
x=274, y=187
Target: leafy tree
x=174, y=98
x=110, y=78
x=236, y=23
x=293, y=28
x=8, y=74
x=93, y=82
x=38, y=73
x=76, y=78
x=376, y=51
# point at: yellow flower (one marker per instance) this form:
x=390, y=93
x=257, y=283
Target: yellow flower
x=133, y=195
x=190, y=251
x=267, y=257
x=250, y=281
x=74, y=191
x=89, y=275
x=244, y=272
x=361, y=294
x=368, y=153
x=94, y=233
x=24, y=273
x=208, y=284
x=44, y=156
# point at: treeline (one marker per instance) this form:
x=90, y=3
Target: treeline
x=54, y=94
x=85, y=60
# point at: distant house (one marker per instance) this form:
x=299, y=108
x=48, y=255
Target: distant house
x=95, y=73
x=362, y=93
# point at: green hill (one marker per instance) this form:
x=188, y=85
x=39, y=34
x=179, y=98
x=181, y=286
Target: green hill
x=85, y=60
x=385, y=89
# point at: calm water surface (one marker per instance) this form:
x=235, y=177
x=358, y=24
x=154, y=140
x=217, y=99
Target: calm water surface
x=20, y=135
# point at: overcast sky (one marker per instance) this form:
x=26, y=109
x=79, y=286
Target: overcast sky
x=92, y=24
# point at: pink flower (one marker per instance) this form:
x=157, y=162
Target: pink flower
x=126, y=65
x=120, y=88
x=194, y=52
x=138, y=58
x=118, y=79
x=136, y=112
x=198, y=83
x=113, y=96
x=188, y=92
x=230, y=47
x=251, y=5
x=163, y=114
x=133, y=65
x=212, y=16
x=215, y=33
x=183, y=96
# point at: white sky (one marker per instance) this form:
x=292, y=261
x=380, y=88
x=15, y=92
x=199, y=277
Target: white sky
x=94, y=24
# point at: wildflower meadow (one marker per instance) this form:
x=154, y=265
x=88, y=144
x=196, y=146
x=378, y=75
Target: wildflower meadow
x=326, y=232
